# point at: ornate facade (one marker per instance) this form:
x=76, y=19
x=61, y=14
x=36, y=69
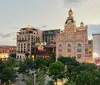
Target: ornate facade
x=72, y=41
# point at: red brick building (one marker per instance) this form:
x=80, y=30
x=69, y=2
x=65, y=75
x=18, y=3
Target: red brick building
x=5, y=51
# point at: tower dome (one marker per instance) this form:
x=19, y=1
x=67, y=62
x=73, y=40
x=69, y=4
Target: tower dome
x=81, y=24
x=70, y=18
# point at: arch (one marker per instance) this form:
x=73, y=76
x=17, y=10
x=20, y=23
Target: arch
x=69, y=45
x=79, y=44
x=60, y=45
x=79, y=47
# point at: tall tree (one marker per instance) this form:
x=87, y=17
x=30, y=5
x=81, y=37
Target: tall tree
x=22, y=68
x=40, y=63
x=56, y=70
x=8, y=73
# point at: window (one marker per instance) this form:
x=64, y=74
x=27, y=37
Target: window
x=60, y=50
x=28, y=49
x=78, y=55
x=25, y=37
x=46, y=39
x=68, y=50
x=79, y=50
x=69, y=55
x=28, y=37
x=79, y=45
x=60, y=45
x=86, y=50
x=69, y=45
x=31, y=37
x=34, y=38
x=60, y=55
x=89, y=42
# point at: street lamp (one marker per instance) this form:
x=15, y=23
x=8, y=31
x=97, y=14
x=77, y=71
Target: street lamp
x=34, y=74
x=34, y=79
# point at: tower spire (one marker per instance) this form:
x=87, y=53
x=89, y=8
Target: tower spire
x=70, y=10
x=70, y=13
x=70, y=18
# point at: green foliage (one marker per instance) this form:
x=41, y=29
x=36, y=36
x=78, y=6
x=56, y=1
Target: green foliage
x=62, y=59
x=10, y=62
x=8, y=73
x=56, y=70
x=40, y=63
x=50, y=83
x=30, y=80
x=40, y=79
x=13, y=55
x=52, y=58
x=80, y=73
x=68, y=60
x=70, y=83
x=86, y=67
x=28, y=62
x=22, y=68
x=86, y=78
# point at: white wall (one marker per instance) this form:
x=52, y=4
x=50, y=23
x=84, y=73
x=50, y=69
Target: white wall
x=96, y=46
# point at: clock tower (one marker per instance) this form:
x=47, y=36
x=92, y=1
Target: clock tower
x=72, y=41
x=70, y=23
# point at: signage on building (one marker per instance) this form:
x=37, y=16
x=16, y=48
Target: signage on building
x=40, y=48
x=40, y=45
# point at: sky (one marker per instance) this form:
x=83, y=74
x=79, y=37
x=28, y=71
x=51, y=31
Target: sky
x=45, y=14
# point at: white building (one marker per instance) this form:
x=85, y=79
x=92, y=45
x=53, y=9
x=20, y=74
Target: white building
x=96, y=48
x=26, y=38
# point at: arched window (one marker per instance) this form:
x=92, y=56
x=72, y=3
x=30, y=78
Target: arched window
x=69, y=45
x=60, y=45
x=60, y=48
x=79, y=45
x=69, y=49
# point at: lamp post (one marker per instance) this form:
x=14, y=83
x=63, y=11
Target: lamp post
x=34, y=79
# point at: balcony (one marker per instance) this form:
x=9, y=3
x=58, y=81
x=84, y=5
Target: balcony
x=21, y=40
x=21, y=51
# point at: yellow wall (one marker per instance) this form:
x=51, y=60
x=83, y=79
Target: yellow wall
x=4, y=55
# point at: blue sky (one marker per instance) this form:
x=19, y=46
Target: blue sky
x=45, y=14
